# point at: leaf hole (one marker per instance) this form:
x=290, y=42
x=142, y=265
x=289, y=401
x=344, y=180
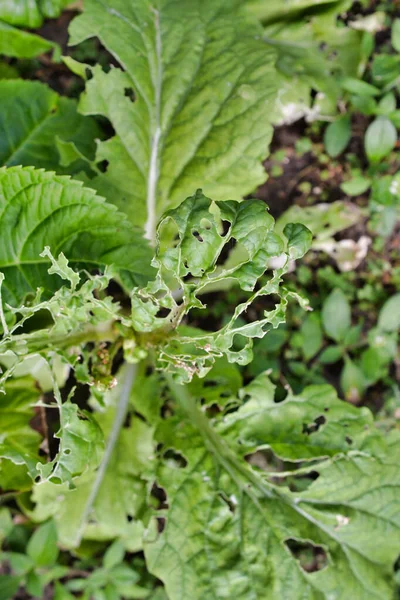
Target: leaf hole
x=67, y=451
x=197, y=235
x=163, y=312
x=310, y=557
x=225, y=228
x=129, y=93
x=175, y=459
x=103, y=165
x=313, y=427
x=348, y=440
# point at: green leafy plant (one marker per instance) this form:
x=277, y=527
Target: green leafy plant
x=167, y=431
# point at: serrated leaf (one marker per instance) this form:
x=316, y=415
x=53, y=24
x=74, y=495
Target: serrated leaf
x=19, y=443
x=20, y=44
x=33, y=117
x=336, y=315
x=41, y=209
x=203, y=80
x=190, y=265
x=30, y=13
x=229, y=531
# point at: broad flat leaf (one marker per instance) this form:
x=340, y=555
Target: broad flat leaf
x=19, y=443
x=336, y=315
x=30, y=13
x=33, y=117
x=39, y=209
x=203, y=82
x=190, y=265
x=122, y=493
x=275, y=10
x=380, y=139
x=310, y=425
x=231, y=533
x=20, y=44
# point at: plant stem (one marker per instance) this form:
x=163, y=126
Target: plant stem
x=119, y=419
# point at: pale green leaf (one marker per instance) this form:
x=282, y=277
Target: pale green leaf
x=230, y=532
x=270, y=11
x=389, y=316
x=81, y=445
x=122, y=493
x=396, y=34
x=33, y=117
x=352, y=381
x=380, y=139
x=336, y=315
x=313, y=424
x=41, y=209
x=190, y=265
x=203, y=84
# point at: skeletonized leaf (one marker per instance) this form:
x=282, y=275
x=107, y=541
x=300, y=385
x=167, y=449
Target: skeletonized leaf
x=189, y=264
x=203, y=83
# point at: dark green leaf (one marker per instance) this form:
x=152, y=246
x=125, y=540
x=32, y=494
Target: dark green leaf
x=20, y=44
x=41, y=209
x=33, y=117
x=30, y=13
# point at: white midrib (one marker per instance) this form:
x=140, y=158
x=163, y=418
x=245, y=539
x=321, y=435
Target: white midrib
x=153, y=174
